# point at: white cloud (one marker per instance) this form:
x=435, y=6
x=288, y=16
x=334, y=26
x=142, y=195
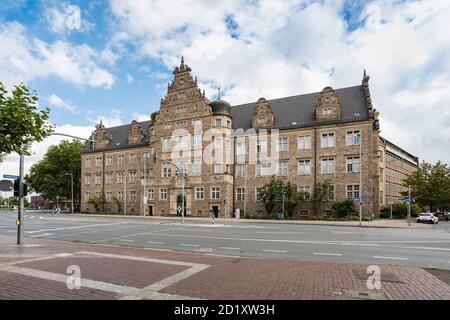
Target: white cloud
x=23, y=59
x=112, y=120
x=281, y=48
x=139, y=117
x=66, y=17
x=130, y=78
x=56, y=101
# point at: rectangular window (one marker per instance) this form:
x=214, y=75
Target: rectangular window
x=304, y=142
x=87, y=179
x=199, y=193
x=241, y=148
x=132, y=196
x=304, y=167
x=109, y=161
x=327, y=111
x=218, y=168
x=132, y=177
x=306, y=190
x=259, y=193
x=197, y=123
x=353, y=191
x=98, y=178
x=87, y=163
x=181, y=110
x=261, y=146
x=283, y=144
x=328, y=166
x=181, y=124
x=182, y=143
x=120, y=159
x=167, y=145
x=282, y=168
x=304, y=213
x=197, y=141
x=353, y=138
x=215, y=193
x=150, y=194
x=167, y=126
x=218, y=142
x=119, y=177
x=120, y=196
x=183, y=165
x=163, y=194
x=133, y=157
x=331, y=193
x=240, y=194
x=109, y=178
x=109, y=197
x=87, y=196
x=98, y=161
x=328, y=140
x=218, y=122
x=145, y=156
x=197, y=168
x=261, y=169
x=166, y=170
x=353, y=164
x=240, y=170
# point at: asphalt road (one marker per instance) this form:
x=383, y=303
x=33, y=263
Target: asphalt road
x=428, y=247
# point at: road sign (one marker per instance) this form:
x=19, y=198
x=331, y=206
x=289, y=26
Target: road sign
x=6, y=185
x=10, y=176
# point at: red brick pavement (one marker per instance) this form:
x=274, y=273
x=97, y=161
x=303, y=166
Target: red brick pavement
x=229, y=278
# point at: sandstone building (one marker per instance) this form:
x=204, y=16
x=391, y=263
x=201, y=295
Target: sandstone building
x=227, y=153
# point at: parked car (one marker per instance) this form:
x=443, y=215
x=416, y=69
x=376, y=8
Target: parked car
x=443, y=216
x=427, y=218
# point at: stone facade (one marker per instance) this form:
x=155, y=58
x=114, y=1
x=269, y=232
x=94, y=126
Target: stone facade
x=226, y=153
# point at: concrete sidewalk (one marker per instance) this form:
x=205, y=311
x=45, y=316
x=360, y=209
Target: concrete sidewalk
x=42, y=268
x=382, y=223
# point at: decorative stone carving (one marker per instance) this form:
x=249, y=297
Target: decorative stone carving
x=263, y=116
x=328, y=106
x=100, y=136
x=135, y=133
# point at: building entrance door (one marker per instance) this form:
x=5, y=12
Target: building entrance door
x=216, y=210
x=150, y=210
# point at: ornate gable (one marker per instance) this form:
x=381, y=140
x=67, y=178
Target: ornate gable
x=135, y=133
x=263, y=116
x=328, y=106
x=100, y=136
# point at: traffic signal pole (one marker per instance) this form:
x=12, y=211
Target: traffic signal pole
x=20, y=213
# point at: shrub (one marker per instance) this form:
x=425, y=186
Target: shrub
x=344, y=207
x=400, y=210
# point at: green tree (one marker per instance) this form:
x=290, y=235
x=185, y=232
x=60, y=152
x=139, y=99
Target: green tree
x=98, y=201
x=118, y=203
x=320, y=194
x=292, y=198
x=50, y=176
x=21, y=123
x=270, y=194
x=344, y=208
x=430, y=185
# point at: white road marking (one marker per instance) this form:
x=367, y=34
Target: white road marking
x=429, y=248
x=154, y=242
x=41, y=235
x=327, y=254
x=126, y=240
x=188, y=245
x=77, y=227
x=390, y=258
x=228, y=248
x=278, y=232
x=276, y=251
x=341, y=232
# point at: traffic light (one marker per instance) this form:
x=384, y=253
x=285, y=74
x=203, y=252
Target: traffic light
x=17, y=188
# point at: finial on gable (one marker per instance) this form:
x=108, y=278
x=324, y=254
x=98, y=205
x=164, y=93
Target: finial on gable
x=218, y=93
x=366, y=78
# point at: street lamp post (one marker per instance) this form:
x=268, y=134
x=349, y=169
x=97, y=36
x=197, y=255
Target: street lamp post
x=360, y=181
x=71, y=182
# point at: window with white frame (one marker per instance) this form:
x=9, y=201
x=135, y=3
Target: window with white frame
x=215, y=193
x=132, y=196
x=167, y=145
x=241, y=148
x=199, y=193
x=98, y=161
x=98, y=178
x=181, y=124
x=304, y=142
x=87, y=196
x=109, y=161
x=304, y=167
x=109, y=178
x=119, y=177
x=182, y=143
x=197, y=141
x=150, y=194
x=353, y=138
x=197, y=123
x=240, y=194
x=109, y=197
x=120, y=159
x=87, y=179
x=87, y=163
x=306, y=191
x=327, y=111
x=331, y=193
x=261, y=169
x=145, y=156
x=282, y=168
x=183, y=167
x=181, y=109
x=328, y=140
x=166, y=170
x=133, y=158
x=353, y=191
x=218, y=142
x=218, y=122
x=328, y=166
x=283, y=144
x=196, y=168
x=259, y=192
x=353, y=164
x=261, y=146
x=132, y=176
x=120, y=196
x=167, y=126
x=240, y=170
x=163, y=194
x=218, y=168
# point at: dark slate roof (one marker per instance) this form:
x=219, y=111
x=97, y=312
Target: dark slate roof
x=119, y=136
x=300, y=109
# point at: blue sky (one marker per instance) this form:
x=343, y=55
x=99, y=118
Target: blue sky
x=111, y=60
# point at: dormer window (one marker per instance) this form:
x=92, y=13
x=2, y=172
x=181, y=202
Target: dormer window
x=327, y=111
x=181, y=109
